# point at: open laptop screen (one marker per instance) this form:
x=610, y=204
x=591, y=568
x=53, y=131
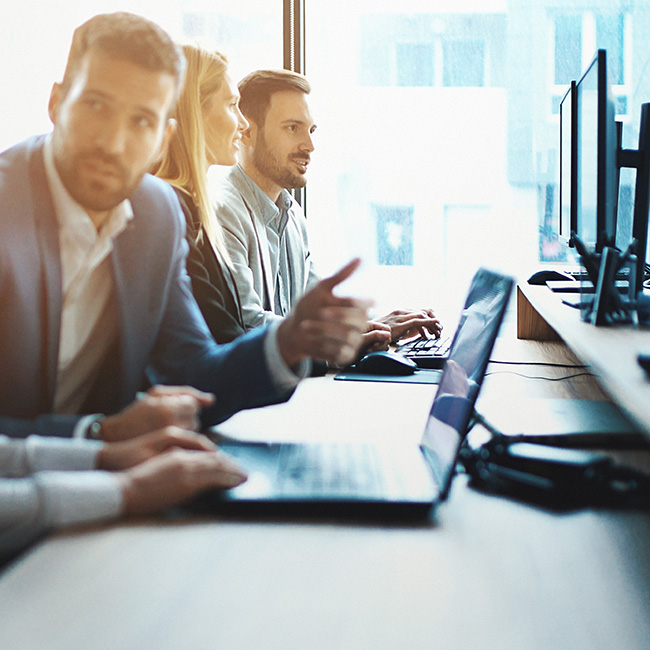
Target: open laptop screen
x=463, y=372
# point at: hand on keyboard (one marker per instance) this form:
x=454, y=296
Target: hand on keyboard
x=409, y=322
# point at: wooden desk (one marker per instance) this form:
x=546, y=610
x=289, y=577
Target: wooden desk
x=610, y=351
x=484, y=573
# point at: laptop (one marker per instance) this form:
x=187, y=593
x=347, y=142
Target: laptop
x=374, y=480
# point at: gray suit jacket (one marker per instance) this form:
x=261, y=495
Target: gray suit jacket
x=242, y=215
x=162, y=336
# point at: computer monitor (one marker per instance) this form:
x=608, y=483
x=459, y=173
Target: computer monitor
x=596, y=156
x=642, y=197
x=568, y=221
x=633, y=211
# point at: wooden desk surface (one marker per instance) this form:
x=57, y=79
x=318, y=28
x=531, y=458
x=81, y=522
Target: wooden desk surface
x=610, y=351
x=484, y=573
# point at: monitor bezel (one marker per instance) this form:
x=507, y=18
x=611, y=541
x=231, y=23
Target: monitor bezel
x=568, y=123
x=606, y=156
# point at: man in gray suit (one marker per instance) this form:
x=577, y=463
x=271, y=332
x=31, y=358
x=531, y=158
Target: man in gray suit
x=265, y=227
x=95, y=295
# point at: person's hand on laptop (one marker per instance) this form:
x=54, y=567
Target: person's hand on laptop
x=407, y=323
x=325, y=326
x=164, y=468
x=160, y=407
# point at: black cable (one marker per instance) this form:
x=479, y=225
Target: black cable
x=479, y=419
x=519, y=374
x=550, y=364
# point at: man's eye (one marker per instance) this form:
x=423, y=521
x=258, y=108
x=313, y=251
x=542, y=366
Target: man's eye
x=94, y=105
x=142, y=122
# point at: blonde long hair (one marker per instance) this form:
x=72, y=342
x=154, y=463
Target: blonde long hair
x=184, y=164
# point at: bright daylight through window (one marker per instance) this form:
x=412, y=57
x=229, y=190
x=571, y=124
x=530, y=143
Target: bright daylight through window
x=437, y=141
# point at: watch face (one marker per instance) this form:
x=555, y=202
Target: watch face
x=94, y=431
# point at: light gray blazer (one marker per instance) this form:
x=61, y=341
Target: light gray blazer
x=243, y=211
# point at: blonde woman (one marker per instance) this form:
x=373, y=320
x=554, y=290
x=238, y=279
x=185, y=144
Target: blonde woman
x=208, y=132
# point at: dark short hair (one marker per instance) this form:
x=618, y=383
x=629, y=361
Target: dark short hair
x=257, y=88
x=125, y=36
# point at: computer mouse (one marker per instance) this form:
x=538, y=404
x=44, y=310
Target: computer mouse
x=385, y=363
x=542, y=277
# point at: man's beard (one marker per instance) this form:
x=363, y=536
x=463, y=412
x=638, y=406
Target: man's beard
x=93, y=194
x=270, y=167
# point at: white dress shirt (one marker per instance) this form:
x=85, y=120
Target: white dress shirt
x=89, y=322
x=48, y=483
x=89, y=315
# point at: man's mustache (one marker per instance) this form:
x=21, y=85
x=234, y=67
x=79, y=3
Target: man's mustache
x=105, y=160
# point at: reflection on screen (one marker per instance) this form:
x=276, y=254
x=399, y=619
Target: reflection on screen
x=464, y=372
x=588, y=156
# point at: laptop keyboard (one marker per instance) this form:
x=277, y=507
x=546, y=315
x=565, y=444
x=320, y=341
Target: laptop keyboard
x=328, y=469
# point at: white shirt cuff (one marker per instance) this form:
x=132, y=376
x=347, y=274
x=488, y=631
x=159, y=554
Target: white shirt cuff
x=35, y=453
x=77, y=497
x=61, y=454
x=283, y=376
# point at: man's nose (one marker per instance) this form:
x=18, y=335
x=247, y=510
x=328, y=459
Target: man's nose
x=307, y=143
x=113, y=136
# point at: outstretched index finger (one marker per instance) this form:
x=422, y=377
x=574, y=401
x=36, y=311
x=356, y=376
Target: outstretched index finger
x=341, y=275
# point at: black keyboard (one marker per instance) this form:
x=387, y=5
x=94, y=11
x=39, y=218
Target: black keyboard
x=427, y=352
x=322, y=468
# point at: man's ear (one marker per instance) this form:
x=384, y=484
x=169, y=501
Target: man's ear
x=55, y=99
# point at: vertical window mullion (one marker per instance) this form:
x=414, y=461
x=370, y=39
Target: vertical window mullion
x=294, y=56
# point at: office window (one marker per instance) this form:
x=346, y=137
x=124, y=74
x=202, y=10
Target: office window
x=394, y=234
x=471, y=239
x=568, y=48
x=454, y=112
x=423, y=136
x=35, y=39
x=421, y=107
x=463, y=63
x=414, y=64
x=610, y=35
x=576, y=38
x=428, y=49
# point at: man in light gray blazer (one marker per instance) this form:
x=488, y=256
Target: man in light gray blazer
x=265, y=228
x=268, y=244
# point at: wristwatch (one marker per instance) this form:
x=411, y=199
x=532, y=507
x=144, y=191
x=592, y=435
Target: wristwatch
x=94, y=428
